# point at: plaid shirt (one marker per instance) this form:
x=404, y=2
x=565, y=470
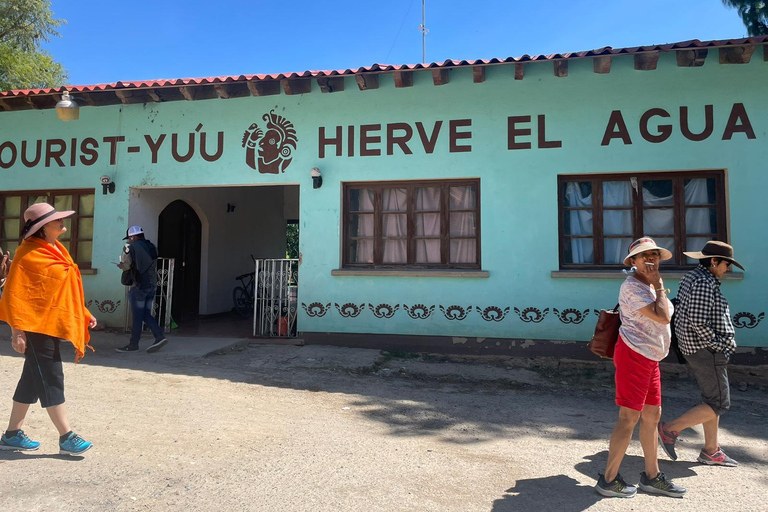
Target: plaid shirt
x=703, y=319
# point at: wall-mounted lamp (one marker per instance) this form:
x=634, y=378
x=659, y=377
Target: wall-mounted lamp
x=230, y=208
x=107, y=185
x=67, y=109
x=317, y=178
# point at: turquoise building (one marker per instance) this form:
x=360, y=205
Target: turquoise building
x=465, y=206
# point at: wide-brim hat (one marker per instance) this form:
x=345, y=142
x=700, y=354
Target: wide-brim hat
x=40, y=214
x=646, y=244
x=715, y=249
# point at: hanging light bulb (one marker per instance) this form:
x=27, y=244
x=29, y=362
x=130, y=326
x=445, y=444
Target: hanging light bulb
x=67, y=109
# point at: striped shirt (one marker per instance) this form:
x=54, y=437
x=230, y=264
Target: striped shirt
x=703, y=317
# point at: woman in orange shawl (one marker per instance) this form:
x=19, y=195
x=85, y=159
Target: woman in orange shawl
x=43, y=302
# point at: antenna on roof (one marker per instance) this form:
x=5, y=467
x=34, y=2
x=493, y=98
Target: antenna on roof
x=424, y=31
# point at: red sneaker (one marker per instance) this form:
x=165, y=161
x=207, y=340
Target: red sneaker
x=719, y=458
x=667, y=441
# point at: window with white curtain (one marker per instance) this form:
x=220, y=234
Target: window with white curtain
x=79, y=236
x=424, y=224
x=600, y=215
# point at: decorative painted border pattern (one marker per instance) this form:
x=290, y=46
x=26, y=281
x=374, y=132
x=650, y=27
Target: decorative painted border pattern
x=456, y=312
x=316, y=309
x=748, y=320
x=349, y=309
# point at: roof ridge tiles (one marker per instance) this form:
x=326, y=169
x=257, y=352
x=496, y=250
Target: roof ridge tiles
x=177, y=82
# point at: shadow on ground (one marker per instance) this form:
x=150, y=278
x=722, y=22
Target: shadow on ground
x=563, y=407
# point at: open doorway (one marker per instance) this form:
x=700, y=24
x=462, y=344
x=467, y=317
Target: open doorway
x=212, y=232
x=178, y=237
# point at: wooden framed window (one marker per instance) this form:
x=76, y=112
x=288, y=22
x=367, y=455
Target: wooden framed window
x=79, y=236
x=412, y=224
x=601, y=214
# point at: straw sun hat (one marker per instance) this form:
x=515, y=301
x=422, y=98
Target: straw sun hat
x=646, y=244
x=40, y=214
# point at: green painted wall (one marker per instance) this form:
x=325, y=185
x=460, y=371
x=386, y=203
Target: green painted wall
x=518, y=188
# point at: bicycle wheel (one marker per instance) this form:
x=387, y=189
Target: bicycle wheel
x=242, y=302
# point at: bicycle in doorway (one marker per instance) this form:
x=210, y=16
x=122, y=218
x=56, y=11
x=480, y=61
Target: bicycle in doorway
x=243, y=296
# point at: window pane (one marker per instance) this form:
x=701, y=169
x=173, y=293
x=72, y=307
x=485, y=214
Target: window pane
x=395, y=251
x=394, y=199
x=700, y=221
x=428, y=198
x=694, y=244
x=62, y=203
x=701, y=191
x=394, y=225
x=463, y=224
x=577, y=194
x=12, y=206
x=65, y=243
x=11, y=229
x=361, y=225
x=463, y=198
x=11, y=247
x=361, y=200
x=577, y=222
x=617, y=222
x=36, y=199
x=361, y=251
x=463, y=251
x=615, y=250
x=85, y=228
x=86, y=204
x=427, y=224
x=617, y=193
x=659, y=222
x=579, y=250
x=657, y=193
x=669, y=244
x=427, y=251
x=84, y=252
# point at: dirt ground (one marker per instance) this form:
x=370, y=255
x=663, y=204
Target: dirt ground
x=268, y=428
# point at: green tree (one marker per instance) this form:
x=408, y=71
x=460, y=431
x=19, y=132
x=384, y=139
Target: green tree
x=754, y=14
x=24, y=26
x=292, y=240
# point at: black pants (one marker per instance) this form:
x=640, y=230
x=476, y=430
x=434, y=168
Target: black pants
x=43, y=375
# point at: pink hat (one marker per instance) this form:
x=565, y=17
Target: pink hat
x=40, y=214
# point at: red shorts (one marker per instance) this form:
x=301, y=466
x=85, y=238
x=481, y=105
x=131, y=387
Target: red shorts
x=638, y=380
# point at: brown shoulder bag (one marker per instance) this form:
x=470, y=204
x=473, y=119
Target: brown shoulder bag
x=606, y=333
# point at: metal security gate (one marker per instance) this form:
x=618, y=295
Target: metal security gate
x=161, y=308
x=276, y=298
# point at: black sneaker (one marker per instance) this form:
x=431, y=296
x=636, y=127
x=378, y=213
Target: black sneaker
x=667, y=441
x=127, y=348
x=157, y=345
x=616, y=489
x=660, y=485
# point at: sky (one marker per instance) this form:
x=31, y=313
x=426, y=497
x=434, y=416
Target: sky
x=109, y=41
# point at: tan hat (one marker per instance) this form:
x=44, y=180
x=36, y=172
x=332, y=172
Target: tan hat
x=39, y=214
x=646, y=244
x=715, y=249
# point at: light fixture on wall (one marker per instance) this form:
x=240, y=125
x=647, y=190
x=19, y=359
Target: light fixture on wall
x=107, y=185
x=317, y=178
x=67, y=109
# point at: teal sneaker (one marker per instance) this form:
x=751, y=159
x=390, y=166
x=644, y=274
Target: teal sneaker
x=18, y=442
x=74, y=445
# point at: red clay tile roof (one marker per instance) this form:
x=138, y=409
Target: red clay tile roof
x=383, y=68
